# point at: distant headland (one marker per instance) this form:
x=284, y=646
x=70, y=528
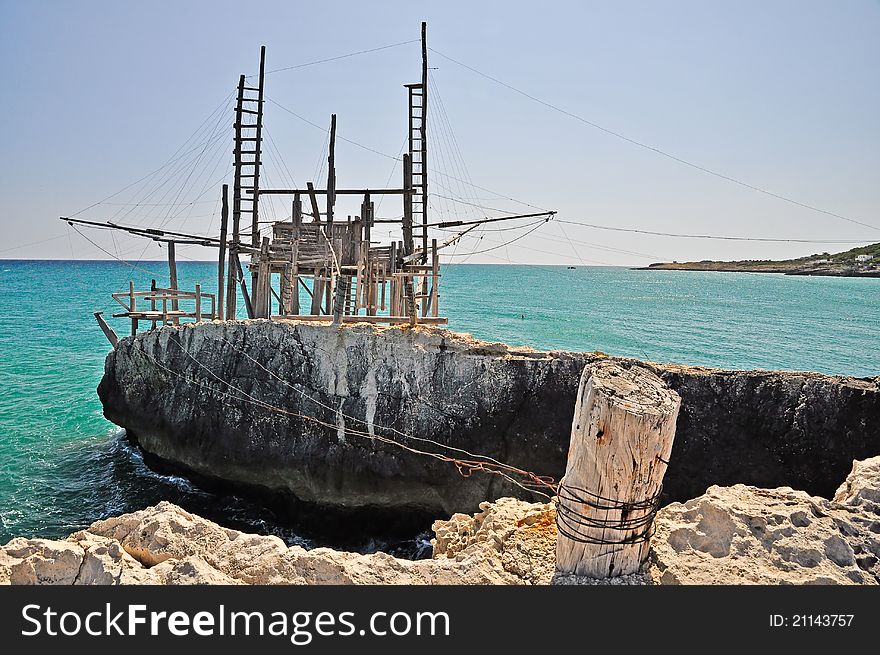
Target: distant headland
x=857, y=262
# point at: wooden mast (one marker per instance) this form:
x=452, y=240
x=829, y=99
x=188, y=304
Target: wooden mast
x=423, y=133
x=221, y=261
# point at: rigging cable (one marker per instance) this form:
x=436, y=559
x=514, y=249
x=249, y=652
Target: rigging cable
x=656, y=150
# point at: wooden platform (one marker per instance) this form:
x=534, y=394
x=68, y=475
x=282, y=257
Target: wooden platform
x=393, y=320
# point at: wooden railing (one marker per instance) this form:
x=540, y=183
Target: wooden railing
x=163, y=306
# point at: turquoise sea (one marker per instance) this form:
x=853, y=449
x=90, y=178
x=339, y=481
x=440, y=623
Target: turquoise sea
x=63, y=466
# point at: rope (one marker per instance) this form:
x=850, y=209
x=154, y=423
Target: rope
x=625, y=529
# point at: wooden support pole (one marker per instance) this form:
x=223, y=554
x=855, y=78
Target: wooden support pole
x=198, y=303
x=262, y=299
x=172, y=274
x=434, y=300
x=317, y=292
x=153, y=302
x=294, y=253
x=244, y=292
x=221, y=262
x=408, y=237
x=331, y=175
x=423, y=135
x=132, y=307
x=621, y=438
x=106, y=329
x=314, y=201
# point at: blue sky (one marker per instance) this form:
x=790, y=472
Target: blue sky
x=782, y=95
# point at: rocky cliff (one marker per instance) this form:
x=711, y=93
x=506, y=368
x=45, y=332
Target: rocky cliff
x=732, y=535
x=309, y=411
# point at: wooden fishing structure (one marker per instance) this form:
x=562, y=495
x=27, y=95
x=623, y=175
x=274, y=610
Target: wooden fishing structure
x=314, y=266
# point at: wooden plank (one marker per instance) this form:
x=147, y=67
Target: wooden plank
x=198, y=303
x=621, y=439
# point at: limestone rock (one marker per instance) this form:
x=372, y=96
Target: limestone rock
x=105, y=562
x=168, y=388
x=521, y=536
x=746, y=535
x=40, y=561
x=729, y=535
x=192, y=570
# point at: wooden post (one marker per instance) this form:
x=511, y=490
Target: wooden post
x=423, y=135
x=434, y=300
x=294, y=254
x=132, y=307
x=331, y=176
x=262, y=295
x=153, y=302
x=106, y=329
x=408, y=237
x=172, y=274
x=198, y=303
x=313, y=199
x=621, y=438
x=244, y=292
x=221, y=262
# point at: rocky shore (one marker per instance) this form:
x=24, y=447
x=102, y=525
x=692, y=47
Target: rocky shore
x=729, y=535
x=309, y=414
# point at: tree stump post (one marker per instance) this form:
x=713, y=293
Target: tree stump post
x=621, y=438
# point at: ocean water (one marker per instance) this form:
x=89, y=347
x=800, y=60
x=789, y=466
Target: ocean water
x=63, y=466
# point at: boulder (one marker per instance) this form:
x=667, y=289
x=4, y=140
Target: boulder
x=747, y=535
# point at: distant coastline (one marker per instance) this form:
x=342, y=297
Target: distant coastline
x=857, y=262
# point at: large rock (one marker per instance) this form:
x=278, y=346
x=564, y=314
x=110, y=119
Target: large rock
x=511, y=542
x=747, y=535
x=733, y=535
x=305, y=411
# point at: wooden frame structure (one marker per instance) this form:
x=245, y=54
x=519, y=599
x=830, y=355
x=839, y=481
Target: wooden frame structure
x=311, y=267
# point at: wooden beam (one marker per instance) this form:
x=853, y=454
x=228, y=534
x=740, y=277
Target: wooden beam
x=316, y=213
x=172, y=274
x=423, y=133
x=244, y=292
x=337, y=192
x=106, y=329
x=331, y=171
x=428, y=320
x=221, y=262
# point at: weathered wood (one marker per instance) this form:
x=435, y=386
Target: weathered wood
x=221, y=261
x=106, y=329
x=338, y=192
x=153, y=301
x=172, y=274
x=244, y=291
x=313, y=199
x=331, y=170
x=423, y=134
x=434, y=300
x=198, y=316
x=621, y=438
x=132, y=307
x=430, y=320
